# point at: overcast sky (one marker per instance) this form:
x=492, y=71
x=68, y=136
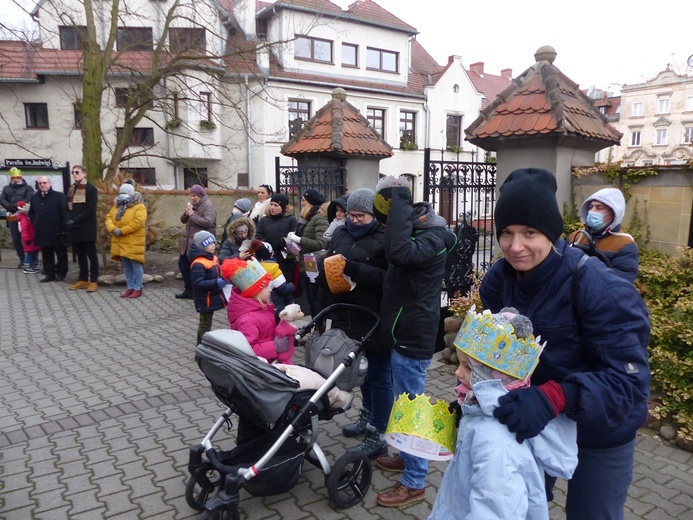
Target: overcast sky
x=598, y=43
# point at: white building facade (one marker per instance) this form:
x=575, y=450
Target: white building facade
x=267, y=69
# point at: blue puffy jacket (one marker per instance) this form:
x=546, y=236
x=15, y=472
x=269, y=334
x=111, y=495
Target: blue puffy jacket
x=597, y=345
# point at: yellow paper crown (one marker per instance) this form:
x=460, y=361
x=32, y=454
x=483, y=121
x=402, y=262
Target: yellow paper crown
x=497, y=346
x=431, y=422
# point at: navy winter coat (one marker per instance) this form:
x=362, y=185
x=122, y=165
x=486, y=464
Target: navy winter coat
x=204, y=273
x=596, y=345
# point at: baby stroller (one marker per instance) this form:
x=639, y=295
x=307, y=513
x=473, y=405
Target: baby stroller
x=278, y=428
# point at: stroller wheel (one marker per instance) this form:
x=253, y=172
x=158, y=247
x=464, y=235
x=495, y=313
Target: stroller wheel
x=349, y=480
x=220, y=513
x=197, y=494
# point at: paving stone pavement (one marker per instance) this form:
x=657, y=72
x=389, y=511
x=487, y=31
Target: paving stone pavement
x=100, y=400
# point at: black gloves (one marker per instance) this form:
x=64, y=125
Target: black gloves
x=351, y=268
x=456, y=408
x=525, y=411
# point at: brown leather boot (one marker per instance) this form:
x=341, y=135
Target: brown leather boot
x=92, y=287
x=400, y=495
x=80, y=284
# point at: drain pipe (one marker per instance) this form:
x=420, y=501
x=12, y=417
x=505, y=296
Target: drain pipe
x=428, y=123
x=249, y=141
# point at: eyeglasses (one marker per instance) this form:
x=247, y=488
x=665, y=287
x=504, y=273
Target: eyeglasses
x=356, y=217
x=76, y=171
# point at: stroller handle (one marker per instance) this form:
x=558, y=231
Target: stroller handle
x=320, y=316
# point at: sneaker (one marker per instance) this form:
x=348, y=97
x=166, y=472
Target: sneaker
x=360, y=426
x=30, y=269
x=373, y=445
x=401, y=495
x=390, y=463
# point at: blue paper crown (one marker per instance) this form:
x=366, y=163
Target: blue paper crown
x=497, y=346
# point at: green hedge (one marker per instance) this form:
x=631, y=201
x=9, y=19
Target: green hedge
x=666, y=282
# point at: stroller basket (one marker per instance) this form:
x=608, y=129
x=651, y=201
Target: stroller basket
x=281, y=472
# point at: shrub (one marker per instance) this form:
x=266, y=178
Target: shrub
x=667, y=284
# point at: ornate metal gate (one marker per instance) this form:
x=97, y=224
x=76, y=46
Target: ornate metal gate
x=464, y=194
x=293, y=180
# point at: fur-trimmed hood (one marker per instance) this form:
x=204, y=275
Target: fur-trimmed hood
x=238, y=222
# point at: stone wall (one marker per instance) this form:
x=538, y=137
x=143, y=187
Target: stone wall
x=664, y=204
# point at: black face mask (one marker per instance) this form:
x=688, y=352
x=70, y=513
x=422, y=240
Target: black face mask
x=358, y=230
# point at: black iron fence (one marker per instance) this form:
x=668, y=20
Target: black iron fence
x=293, y=180
x=464, y=194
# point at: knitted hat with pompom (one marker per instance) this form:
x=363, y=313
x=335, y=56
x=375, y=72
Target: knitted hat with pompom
x=248, y=277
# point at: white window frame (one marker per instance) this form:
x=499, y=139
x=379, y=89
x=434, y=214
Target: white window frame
x=661, y=135
x=689, y=104
x=638, y=109
x=635, y=138
x=688, y=135
x=664, y=106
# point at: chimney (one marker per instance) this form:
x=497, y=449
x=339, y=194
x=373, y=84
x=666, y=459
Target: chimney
x=477, y=67
x=507, y=73
x=244, y=12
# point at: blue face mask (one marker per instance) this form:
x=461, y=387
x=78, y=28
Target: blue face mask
x=595, y=221
x=123, y=197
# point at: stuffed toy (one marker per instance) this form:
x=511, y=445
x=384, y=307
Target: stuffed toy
x=285, y=330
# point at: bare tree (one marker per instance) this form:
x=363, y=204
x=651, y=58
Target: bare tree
x=197, y=59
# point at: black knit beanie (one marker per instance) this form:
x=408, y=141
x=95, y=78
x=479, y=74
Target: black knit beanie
x=314, y=197
x=280, y=199
x=528, y=198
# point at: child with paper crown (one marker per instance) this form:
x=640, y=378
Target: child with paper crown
x=206, y=280
x=251, y=313
x=282, y=291
x=492, y=476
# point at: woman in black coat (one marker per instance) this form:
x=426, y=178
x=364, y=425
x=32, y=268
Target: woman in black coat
x=274, y=227
x=362, y=243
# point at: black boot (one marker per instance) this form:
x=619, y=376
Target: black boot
x=360, y=426
x=373, y=444
x=185, y=295
x=49, y=278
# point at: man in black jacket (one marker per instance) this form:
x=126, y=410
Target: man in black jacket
x=49, y=216
x=416, y=245
x=82, y=199
x=17, y=190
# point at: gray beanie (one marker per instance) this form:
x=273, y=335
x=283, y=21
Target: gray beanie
x=203, y=238
x=361, y=200
x=127, y=189
x=243, y=205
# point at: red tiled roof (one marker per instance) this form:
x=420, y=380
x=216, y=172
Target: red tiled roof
x=369, y=11
x=318, y=6
x=489, y=85
x=541, y=101
x=338, y=128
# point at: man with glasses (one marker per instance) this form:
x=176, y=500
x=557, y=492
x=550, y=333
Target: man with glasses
x=17, y=190
x=48, y=214
x=82, y=198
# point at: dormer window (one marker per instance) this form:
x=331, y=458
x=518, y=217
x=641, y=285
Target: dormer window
x=313, y=49
x=379, y=59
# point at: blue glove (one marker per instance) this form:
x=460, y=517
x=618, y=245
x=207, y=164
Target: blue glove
x=222, y=283
x=117, y=232
x=525, y=411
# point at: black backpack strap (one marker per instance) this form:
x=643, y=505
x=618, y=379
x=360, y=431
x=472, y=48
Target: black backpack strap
x=591, y=248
